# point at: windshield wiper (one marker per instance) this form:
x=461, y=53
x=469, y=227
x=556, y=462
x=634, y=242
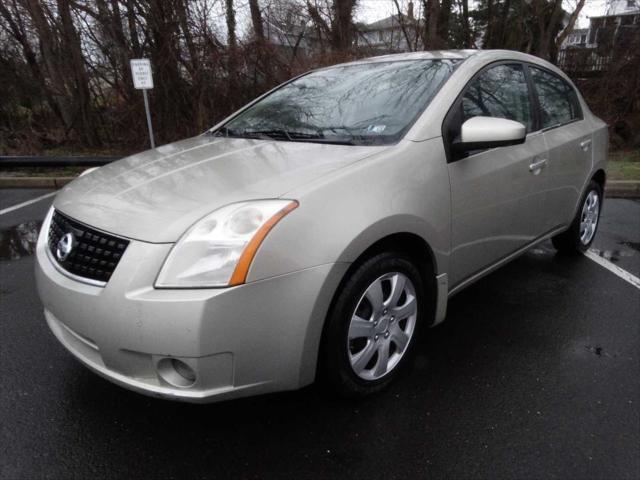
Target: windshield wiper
x=330, y=141
x=226, y=132
x=278, y=134
x=293, y=136
x=282, y=134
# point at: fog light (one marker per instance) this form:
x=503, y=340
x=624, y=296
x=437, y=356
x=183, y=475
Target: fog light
x=176, y=372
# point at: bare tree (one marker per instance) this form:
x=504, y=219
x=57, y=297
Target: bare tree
x=64, y=64
x=573, y=17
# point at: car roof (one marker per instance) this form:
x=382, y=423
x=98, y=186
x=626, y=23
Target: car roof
x=444, y=54
x=424, y=55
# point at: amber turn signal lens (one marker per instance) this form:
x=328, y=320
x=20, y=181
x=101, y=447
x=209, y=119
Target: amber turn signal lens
x=242, y=268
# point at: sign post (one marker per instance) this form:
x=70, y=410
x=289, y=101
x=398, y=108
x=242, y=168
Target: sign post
x=143, y=80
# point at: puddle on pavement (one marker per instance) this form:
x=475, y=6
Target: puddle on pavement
x=614, y=255
x=19, y=241
x=599, y=351
x=634, y=245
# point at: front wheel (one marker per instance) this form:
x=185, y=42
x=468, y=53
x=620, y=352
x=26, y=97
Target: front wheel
x=583, y=228
x=371, y=330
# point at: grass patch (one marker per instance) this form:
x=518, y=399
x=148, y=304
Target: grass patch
x=624, y=165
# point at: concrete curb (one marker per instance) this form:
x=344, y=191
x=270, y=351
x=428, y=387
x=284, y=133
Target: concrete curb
x=613, y=189
x=622, y=189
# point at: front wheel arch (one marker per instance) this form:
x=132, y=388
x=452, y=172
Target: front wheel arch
x=600, y=177
x=408, y=244
x=404, y=243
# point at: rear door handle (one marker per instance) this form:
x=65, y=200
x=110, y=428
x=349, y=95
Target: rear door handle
x=538, y=165
x=585, y=144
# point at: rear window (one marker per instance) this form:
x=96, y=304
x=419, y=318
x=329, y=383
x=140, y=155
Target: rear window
x=558, y=100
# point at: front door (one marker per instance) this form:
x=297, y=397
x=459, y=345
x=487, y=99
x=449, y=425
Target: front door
x=497, y=195
x=568, y=141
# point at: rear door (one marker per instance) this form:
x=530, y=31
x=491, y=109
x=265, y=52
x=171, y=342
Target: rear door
x=497, y=195
x=568, y=138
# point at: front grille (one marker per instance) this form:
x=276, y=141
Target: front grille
x=94, y=254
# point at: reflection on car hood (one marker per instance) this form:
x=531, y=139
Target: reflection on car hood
x=156, y=195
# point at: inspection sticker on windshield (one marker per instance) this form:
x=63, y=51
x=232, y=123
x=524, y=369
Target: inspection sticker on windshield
x=376, y=128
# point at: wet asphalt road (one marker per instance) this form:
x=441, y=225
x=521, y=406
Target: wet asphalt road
x=535, y=374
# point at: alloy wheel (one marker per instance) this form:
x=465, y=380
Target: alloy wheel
x=589, y=217
x=382, y=325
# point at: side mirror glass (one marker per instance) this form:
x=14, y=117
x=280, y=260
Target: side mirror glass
x=479, y=133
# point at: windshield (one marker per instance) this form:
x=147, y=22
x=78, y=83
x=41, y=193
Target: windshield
x=366, y=104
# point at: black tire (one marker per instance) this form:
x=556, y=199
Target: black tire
x=570, y=242
x=335, y=366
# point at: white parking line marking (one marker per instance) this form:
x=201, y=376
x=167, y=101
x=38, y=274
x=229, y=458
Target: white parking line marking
x=27, y=203
x=623, y=274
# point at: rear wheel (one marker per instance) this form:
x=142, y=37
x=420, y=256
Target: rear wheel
x=371, y=331
x=582, y=231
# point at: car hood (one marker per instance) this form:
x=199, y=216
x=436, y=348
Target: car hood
x=156, y=195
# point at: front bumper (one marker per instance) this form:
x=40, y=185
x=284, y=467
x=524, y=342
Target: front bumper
x=254, y=338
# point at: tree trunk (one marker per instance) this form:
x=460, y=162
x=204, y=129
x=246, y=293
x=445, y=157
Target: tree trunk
x=115, y=47
x=74, y=59
x=549, y=23
x=444, y=15
x=231, y=25
x=17, y=30
x=133, y=28
x=232, y=51
x=181, y=10
x=47, y=44
x=342, y=24
x=466, y=28
x=403, y=27
x=431, y=11
x=322, y=29
x=256, y=20
x=488, y=37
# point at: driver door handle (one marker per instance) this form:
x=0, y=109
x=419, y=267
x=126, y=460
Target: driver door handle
x=538, y=165
x=585, y=144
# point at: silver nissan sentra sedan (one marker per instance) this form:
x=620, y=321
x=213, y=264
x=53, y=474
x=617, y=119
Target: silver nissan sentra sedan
x=317, y=231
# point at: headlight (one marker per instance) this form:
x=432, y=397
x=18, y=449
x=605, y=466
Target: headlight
x=217, y=251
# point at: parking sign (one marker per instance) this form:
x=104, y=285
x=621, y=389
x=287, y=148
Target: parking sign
x=143, y=80
x=141, y=72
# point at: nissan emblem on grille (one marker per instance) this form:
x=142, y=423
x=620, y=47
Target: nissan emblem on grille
x=65, y=246
x=84, y=251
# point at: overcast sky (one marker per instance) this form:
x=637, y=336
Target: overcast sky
x=371, y=10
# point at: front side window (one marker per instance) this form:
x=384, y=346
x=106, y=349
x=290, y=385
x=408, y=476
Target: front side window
x=365, y=104
x=557, y=99
x=500, y=92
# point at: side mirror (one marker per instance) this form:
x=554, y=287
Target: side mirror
x=479, y=133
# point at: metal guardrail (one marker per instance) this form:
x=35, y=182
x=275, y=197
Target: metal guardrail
x=55, y=161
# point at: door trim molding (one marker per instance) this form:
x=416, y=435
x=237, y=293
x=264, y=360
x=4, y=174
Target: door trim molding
x=503, y=261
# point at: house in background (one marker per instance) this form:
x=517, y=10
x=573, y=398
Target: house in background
x=608, y=35
x=620, y=23
x=292, y=32
x=619, y=7
x=397, y=33
x=577, y=38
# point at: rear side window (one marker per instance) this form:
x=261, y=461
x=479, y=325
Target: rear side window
x=501, y=92
x=557, y=99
